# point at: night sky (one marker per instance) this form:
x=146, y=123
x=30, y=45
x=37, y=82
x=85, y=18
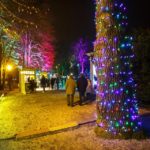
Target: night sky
x=73, y=19
x=139, y=13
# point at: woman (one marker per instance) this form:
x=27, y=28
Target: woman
x=70, y=90
x=90, y=93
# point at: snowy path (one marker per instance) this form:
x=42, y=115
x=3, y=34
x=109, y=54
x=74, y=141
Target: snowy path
x=39, y=111
x=19, y=113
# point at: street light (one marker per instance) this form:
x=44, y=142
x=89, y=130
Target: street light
x=9, y=67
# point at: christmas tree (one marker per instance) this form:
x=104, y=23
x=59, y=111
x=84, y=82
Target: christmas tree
x=117, y=103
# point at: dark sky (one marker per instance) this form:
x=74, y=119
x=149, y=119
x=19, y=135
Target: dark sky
x=73, y=19
x=139, y=13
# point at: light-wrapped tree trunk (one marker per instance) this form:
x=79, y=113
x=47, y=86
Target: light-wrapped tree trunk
x=117, y=103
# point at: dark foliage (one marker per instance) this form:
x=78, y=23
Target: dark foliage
x=142, y=63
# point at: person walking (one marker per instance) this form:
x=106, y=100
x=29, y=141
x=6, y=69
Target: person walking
x=52, y=82
x=32, y=84
x=90, y=93
x=70, y=90
x=82, y=85
x=57, y=82
x=43, y=82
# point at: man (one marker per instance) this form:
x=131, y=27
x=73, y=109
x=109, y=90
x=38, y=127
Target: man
x=43, y=82
x=70, y=90
x=57, y=82
x=82, y=85
x=52, y=82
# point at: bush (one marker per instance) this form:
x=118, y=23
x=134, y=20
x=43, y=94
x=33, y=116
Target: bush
x=142, y=63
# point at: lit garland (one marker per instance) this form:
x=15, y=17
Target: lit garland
x=31, y=53
x=14, y=17
x=11, y=34
x=117, y=103
x=29, y=9
x=9, y=43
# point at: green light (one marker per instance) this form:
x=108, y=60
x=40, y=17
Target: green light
x=102, y=82
x=115, y=84
x=131, y=123
x=117, y=124
x=127, y=123
x=111, y=85
x=127, y=92
x=117, y=66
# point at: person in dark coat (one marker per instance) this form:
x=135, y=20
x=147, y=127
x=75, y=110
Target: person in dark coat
x=82, y=85
x=57, y=83
x=52, y=82
x=43, y=82
x=31, y=82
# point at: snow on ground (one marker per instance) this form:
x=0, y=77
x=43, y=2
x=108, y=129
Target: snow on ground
x=83, y=138
x=19, y=113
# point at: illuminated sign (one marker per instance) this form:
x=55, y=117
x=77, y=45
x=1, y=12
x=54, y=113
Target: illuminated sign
x=27, y=72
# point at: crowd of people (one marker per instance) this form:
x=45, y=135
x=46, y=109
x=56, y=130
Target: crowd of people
x=85, y=89
x=83, y=85
x=44, y=82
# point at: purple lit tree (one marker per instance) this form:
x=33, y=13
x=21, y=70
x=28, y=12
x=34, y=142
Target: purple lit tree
x=80, y=49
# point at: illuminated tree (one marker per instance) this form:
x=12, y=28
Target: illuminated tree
x=24, y=18
x=37, y=53
x=46, y=47
x=80, y=49
x=25, y=51
x=8, y=44
x=11, y=18
x=117, y=102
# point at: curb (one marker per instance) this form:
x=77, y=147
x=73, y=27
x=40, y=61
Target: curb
x=8, y=138
x=50, y=131
x=87, y=122
x=44, y=132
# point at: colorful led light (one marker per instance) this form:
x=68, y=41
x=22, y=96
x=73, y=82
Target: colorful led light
x=118, y=108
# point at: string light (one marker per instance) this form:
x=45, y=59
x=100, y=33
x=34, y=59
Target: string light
x=14, y=17
x=36, y=10
x=117, y=103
